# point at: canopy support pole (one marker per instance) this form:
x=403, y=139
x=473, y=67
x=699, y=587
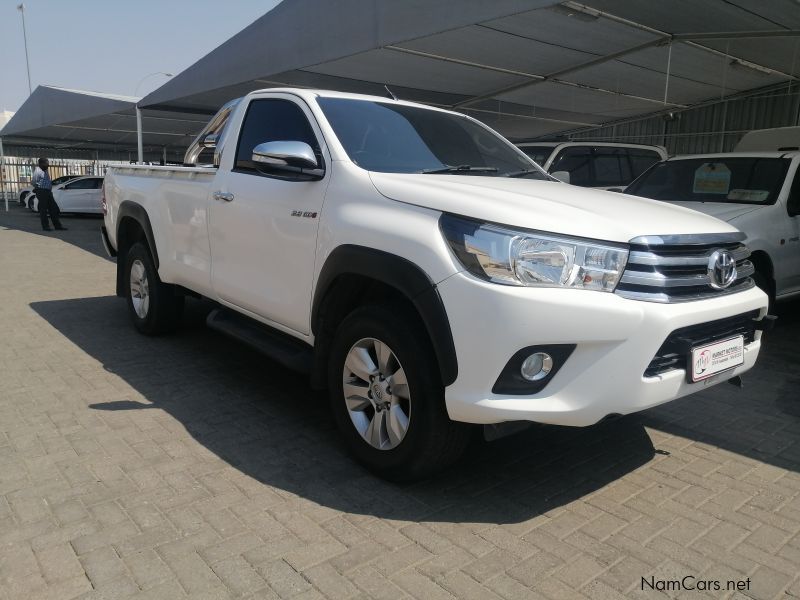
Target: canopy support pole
x=669, y=65
x=139, y=134
x=3, y=173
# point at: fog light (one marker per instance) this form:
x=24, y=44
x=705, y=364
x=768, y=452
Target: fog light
x=537, y=366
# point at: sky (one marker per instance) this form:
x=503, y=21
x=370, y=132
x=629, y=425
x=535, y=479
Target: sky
x=111, y=45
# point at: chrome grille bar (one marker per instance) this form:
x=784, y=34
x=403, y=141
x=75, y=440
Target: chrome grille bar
x=744, y=268
x=671, y=269
x=651, y=259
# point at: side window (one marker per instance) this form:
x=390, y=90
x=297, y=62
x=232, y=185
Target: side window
x=81, y=184
x=272, y=120
x=641, y=160
x=577, y=162
x=97, y=183
x=793, y=205
x=539, y=154
x=611, y=167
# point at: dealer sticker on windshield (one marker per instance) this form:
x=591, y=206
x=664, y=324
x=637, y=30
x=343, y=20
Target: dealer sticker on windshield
x=719, y=356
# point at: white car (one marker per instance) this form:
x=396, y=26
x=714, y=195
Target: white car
x=756, y=192
x=602, y=165
x=25, y=198
x=78, y=195
x=428, y=274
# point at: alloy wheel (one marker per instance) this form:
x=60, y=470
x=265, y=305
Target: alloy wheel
x=140, y=289
x=376, y=393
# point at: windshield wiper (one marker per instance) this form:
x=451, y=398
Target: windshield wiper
x=524, y=172
x=460, y=169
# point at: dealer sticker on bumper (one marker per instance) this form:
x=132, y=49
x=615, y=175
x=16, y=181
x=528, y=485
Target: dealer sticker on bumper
x=719, y=356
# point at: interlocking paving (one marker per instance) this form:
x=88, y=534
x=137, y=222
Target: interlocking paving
x=188, y=466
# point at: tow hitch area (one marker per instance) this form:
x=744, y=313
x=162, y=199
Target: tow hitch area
x=767, y=323
x=737, y=381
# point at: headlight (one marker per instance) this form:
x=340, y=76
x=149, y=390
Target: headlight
x=517, y=257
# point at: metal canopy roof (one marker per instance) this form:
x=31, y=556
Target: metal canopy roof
x=77, y=119
x=526, y=67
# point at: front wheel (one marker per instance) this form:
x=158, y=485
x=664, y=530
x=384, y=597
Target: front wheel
x=153, y=305
x=387, y=398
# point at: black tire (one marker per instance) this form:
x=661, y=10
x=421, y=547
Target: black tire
x=164, y=307
x=432, y=441
x=22, y=197
x=30, y=203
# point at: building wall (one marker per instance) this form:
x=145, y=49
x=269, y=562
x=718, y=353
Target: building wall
x=711, y=128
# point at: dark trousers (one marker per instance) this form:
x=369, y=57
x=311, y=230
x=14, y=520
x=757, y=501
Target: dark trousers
x=47, y=205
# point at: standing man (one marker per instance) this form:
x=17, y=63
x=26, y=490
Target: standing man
x=42, y=187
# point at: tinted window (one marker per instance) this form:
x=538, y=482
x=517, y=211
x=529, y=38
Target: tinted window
x=611, y=167
x=539, y=154
x=577, y=162
x=717, y=179
x=641, y=160
x=273, y=120
x=394, y=138
x=793, y=206
x=63, y=178
x=83, y=184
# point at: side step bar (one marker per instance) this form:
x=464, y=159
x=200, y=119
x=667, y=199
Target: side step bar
x=284, y=349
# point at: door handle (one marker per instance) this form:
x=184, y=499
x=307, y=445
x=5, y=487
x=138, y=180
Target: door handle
x=226, y=196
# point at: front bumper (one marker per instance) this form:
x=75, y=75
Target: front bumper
x=615, y=341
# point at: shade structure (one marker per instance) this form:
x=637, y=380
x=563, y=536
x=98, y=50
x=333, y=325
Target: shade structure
x=66, y=119
x=527, y=67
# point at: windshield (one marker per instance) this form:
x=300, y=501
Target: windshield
x=737, y=180
x=394, y=138
x=539, y=154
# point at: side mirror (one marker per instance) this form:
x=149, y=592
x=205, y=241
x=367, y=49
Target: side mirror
x=561, y=176
x=288, y=156
x=209, y=140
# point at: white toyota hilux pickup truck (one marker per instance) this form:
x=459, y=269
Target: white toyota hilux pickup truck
x=428, y=274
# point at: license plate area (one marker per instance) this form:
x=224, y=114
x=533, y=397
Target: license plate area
x=709, y=359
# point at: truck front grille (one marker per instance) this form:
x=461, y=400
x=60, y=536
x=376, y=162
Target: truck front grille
x=674, y=352
x=676, y=268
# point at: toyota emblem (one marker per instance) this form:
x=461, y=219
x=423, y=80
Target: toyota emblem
x=721, y=269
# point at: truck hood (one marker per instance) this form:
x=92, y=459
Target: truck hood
x=721, y=210
x=546, y=206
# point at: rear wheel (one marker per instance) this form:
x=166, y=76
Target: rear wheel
x=153, y=305
x=387, y=398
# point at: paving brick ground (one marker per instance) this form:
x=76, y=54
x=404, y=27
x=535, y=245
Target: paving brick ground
x=188, y=466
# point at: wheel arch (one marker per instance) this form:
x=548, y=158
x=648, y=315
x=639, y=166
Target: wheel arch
x=354, y=273
x=133, y=225
x=763, y=264
x=760, y=258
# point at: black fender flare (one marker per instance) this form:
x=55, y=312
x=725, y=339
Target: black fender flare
x=403, y=275
x=136, y=211
x=132, y=210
